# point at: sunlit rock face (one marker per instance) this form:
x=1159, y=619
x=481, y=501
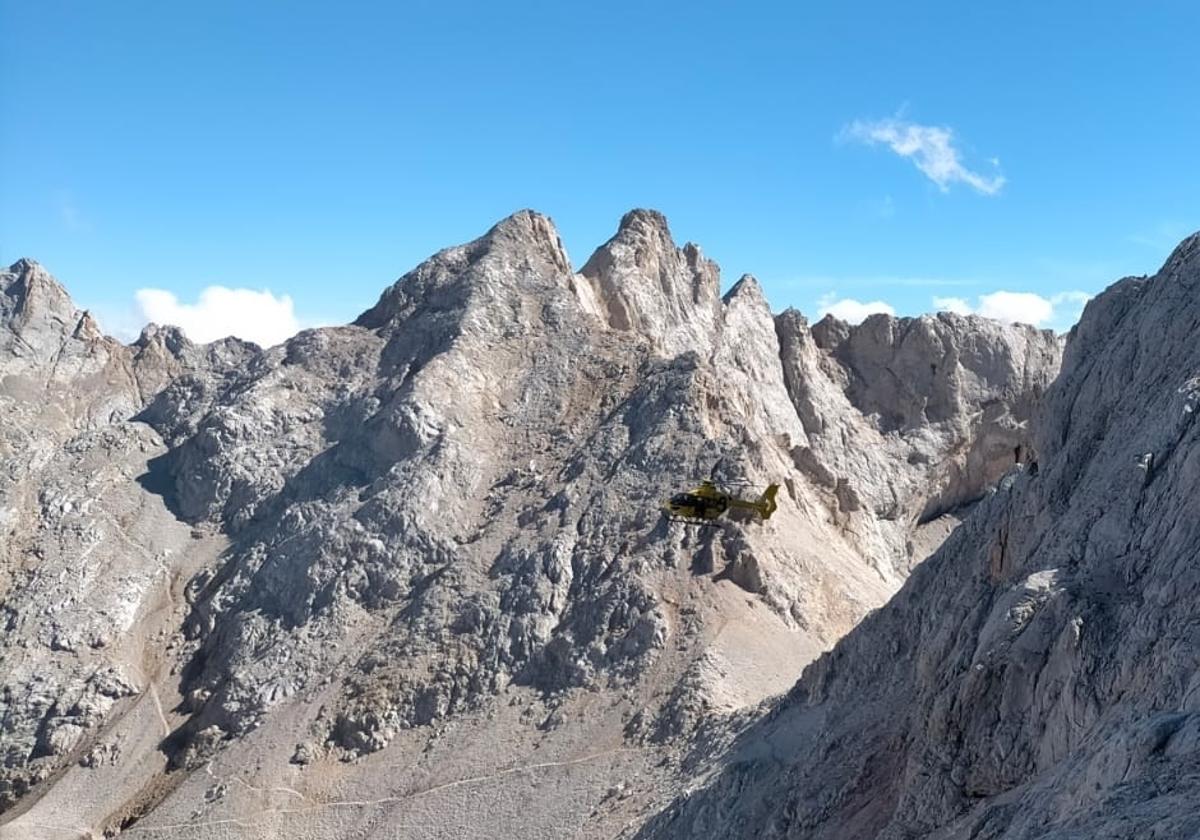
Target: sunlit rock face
x=912, y=419
x=393, y=576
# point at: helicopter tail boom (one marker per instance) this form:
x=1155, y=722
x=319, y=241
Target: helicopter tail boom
x=764, y=505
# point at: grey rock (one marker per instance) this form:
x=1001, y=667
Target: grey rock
x=1038, y=675
x=387, y=534
x=911, y=419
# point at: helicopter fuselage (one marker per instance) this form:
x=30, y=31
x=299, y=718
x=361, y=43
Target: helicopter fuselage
x=704, y=504
x=696, y=506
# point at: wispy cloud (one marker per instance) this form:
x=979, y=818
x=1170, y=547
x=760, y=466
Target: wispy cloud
x=257, y=316
x=1059, y=311
x=69, y=214
x=850, y=310
x=931, y=148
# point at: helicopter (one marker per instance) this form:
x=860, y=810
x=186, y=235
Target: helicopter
x=705, y=503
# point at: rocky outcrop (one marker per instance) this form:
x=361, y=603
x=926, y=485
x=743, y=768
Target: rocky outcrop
x=1038, y=676
x=911, y=420
x=430, y=540
x=640, y=282
x=59, y=371
x=87, y=546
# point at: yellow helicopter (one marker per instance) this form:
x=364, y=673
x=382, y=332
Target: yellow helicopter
x=705, y=503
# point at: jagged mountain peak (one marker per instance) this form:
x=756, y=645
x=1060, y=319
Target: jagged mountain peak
x=747, y=288
x=829, y=332
x=433, y=541
x=644, y=283
x=645, y=237
x=514, y=252
x=28, y=292
x=39, y=322
x=1186, y=253
x=24, y=265
x=23, y=276
x=638, y=281
x=650, y=232
x=168, y=335
x=641, y=218
x=22, y=268
x=39, y=310
x=529, y=229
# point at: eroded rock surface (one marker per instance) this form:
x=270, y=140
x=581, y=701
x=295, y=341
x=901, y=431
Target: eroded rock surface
x=912, y=419
x=384, y=574
x=1039, y=676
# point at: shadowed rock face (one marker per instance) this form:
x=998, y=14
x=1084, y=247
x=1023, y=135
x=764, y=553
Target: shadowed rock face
x=429, y=541
x=1038, y=676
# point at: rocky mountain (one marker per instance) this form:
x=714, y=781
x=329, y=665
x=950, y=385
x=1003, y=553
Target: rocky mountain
x=1038, y=676
x=408, y=577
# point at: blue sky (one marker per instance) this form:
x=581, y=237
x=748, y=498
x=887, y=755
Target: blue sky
x=875, y=152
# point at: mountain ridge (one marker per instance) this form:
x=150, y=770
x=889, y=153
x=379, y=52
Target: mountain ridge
x=1037, y=676
x=430, y=538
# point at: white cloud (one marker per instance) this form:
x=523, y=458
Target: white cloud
x=1059, y=311
x=931, y=148
x=850, y=310
x=1068, y=308
x=1023, y=307
x=121, y=322
x=257, y=316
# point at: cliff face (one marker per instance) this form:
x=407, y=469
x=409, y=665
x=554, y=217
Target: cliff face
x=911, y=420
x=384, y=575
x=1038, y=676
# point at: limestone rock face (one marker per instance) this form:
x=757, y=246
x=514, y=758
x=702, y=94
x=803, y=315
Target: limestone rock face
x=37, y=314
x=386, y=576
x=84, y=547
x=58, y=367
x=640, y=282
x=1038, y=676
x=912, y=419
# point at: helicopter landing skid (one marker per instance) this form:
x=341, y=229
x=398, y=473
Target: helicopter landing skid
x=699, y=523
